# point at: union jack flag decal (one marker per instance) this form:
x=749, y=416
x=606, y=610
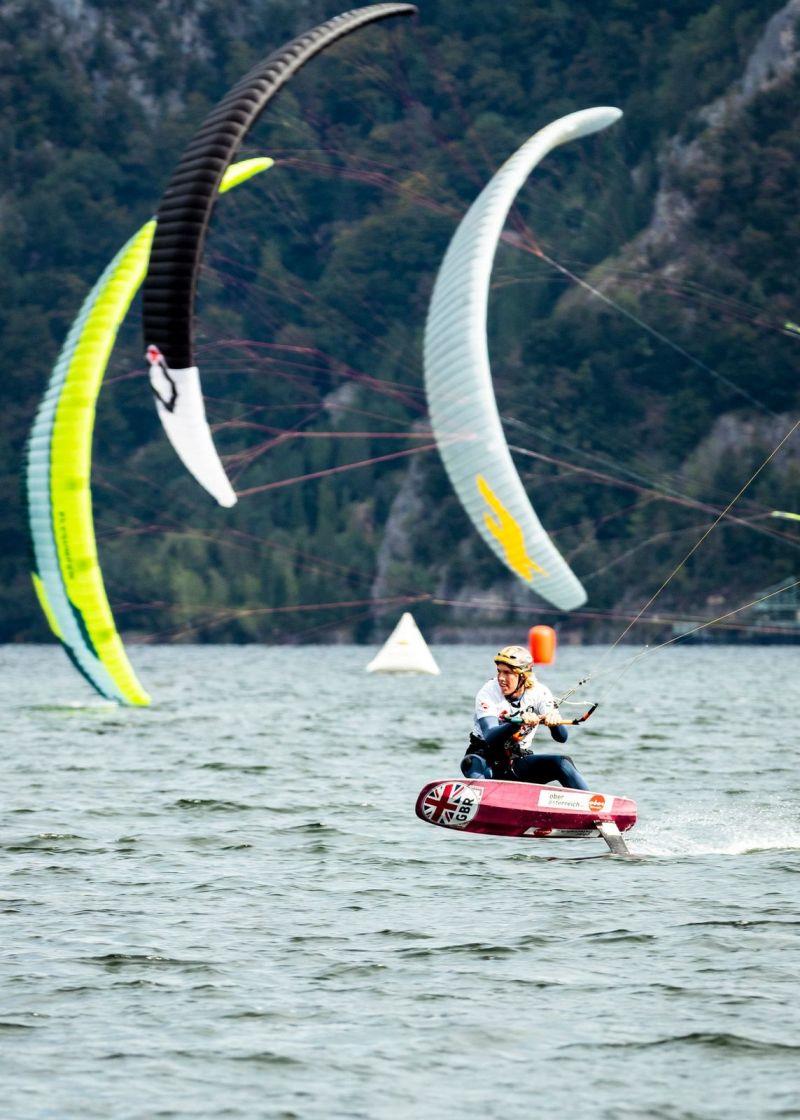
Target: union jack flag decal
x=452, y=804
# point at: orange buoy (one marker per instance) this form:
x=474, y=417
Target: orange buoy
x=542, y=644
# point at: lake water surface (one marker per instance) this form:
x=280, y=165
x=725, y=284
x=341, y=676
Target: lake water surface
x=224, y=906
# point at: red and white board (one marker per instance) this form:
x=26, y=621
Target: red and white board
x=523, y=809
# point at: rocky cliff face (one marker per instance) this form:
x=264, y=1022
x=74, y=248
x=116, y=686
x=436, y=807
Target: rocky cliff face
x=663, y=245
x=158, y=49
x=732, y=433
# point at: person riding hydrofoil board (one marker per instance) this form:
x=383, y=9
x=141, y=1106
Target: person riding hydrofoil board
x=508, y=710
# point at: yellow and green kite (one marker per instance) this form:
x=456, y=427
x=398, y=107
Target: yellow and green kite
x=67, y=576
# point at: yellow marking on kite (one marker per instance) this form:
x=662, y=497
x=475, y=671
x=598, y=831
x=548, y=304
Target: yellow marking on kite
x=507, y=532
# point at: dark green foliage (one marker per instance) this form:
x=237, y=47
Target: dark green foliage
x=312, y=304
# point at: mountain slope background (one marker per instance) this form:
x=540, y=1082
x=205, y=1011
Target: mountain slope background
x=639, y=405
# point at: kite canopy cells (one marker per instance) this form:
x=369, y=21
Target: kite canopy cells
x=183, y=217
x=458, y=378
x=67, y=577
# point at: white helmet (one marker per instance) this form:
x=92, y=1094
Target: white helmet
x=516, y=657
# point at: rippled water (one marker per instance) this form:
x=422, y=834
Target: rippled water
x=224, y=906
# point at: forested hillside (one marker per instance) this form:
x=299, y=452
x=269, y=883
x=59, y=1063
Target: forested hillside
x=641, y=321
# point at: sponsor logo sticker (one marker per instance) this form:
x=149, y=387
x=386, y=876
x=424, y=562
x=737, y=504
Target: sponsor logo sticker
x=575, y=799
x=551, y=798
x=452, y=804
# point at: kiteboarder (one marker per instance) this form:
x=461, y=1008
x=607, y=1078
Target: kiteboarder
x=508, y=709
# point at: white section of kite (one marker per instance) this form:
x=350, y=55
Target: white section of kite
x=182, y=411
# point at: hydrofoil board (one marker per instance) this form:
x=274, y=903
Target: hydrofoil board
x=525, y=810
